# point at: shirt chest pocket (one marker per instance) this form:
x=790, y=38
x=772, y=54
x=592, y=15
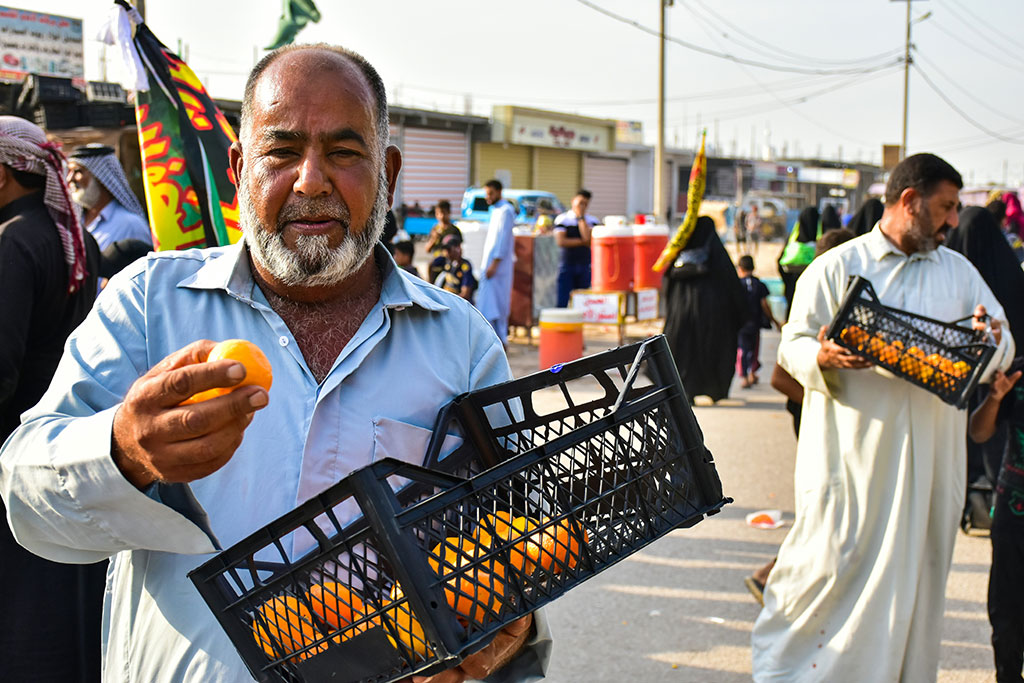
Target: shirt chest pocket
x=406, y=442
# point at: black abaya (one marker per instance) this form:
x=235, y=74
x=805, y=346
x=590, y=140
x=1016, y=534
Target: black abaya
x=806, y=231
x=703, y=318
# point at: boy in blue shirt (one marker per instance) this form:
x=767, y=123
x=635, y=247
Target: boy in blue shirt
x=759, y=315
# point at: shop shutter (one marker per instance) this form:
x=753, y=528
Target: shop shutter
x=505, y=162
x=558, y=171
x=607, y=179
x=435, y=165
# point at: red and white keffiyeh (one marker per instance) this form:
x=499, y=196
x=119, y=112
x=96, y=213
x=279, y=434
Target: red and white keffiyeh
x=23, y=146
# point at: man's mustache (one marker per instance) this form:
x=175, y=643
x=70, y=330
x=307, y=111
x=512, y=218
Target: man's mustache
x=319, y=209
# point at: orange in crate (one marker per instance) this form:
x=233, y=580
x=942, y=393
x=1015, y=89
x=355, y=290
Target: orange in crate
x=401, y=619
x=557, y=548
x=289, y=626
x=339, y=607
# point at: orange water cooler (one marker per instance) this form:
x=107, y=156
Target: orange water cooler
x=561, y=336
x=648, y=243
x=611, y=248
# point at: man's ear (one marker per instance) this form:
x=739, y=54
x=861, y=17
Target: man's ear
x=393, y=164
x=235, y=160
x=910, y=201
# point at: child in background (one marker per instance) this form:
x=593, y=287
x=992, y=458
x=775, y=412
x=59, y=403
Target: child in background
x=1005, y=401
x=457, y=274
x=759, y=315
x=404, y=252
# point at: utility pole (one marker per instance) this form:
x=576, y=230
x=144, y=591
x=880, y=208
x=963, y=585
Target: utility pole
x=659, y=151
x=906, y=86
x=908, y=61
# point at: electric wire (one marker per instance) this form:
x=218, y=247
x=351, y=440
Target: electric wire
x=733, y=58
x=966, y=117
x=974, y=48
x=702, y=21
x=792, y=56
x=952, y=81
x=989, y=26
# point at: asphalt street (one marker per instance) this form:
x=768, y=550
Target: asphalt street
x=678, y=610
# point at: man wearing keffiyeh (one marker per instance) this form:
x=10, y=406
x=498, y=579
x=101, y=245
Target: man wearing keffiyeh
x=98, y=185
x=49, y=628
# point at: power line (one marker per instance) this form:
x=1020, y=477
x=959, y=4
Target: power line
x=789, y=106
x=786, y=54
x=726, y=115
x=952, y=105
x=972, y=96
x=974, y=48
x=993, y=28
x=734, y=58
x=736, y=92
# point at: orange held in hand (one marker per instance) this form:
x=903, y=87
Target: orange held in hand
x=257, y=367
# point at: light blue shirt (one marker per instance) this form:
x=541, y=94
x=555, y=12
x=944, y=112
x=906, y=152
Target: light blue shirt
x=115, y=223
x=417, y=348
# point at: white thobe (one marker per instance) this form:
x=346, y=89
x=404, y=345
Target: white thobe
x=858, y=591
x=494, y=296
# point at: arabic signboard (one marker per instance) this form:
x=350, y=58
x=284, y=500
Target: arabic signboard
x=597, y=307
x=646, y=304
x=37, y=43
x=529, y=130
x=629, y=132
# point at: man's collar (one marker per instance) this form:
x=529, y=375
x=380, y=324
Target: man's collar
x=232, y=273
x=879, y=246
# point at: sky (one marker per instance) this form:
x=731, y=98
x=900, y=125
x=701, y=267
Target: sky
x=788, y=78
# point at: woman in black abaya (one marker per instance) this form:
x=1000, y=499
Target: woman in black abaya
x=703, y=315
x=867, y=215
x=806, y=231
x=979, y=238
x=830, y=219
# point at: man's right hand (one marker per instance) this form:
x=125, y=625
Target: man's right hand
x=832, y=355
x=156, y=438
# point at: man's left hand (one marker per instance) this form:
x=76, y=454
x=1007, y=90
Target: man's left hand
x=482, y=664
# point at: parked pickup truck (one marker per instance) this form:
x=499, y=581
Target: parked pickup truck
x=529, y=204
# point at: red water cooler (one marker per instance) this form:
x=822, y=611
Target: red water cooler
x=611, y=249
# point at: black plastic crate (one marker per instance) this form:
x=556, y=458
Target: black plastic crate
x=946, y=359
x=437, y=561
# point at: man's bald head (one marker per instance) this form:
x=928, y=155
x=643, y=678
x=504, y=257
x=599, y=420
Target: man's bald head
x=329, y=54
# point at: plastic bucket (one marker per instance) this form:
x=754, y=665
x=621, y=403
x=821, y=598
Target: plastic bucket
x=561, y=336
x=612, y=258
x=648, y=243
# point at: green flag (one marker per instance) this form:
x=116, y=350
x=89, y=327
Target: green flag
x=295, y=14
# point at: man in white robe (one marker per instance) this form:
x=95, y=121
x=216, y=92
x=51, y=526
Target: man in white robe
x=494, y=297
x=858, y=590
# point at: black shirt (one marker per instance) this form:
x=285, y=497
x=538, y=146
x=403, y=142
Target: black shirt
x=36, y=312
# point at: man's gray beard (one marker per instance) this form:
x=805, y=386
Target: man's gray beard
x=312, y=263
x=89, y=196
x=919, y=230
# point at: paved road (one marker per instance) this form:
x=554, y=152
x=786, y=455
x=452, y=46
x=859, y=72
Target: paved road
x=678, y=611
